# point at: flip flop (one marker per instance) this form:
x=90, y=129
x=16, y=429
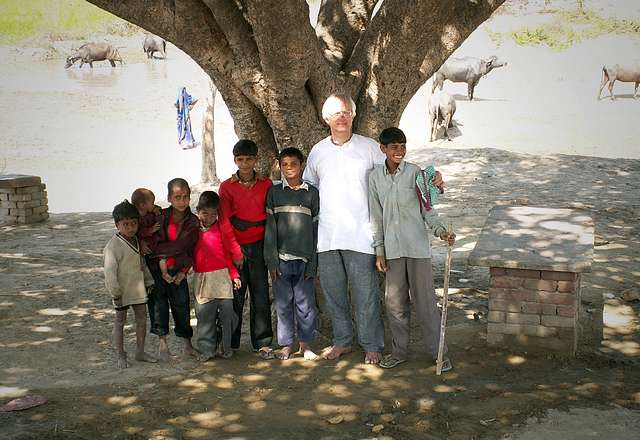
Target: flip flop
x=266, y=353
x=24, y=402
x=446, y=365
x=390, y=361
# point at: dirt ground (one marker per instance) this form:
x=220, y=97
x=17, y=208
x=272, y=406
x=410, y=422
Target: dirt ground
x=56, y=323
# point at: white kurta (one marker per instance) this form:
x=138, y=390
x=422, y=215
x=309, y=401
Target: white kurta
x=341, y=174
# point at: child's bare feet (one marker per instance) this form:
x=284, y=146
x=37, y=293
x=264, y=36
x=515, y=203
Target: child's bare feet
x=142, y=356
x=284, y=353
x=163, y=350
x=306, y=352
x=372, y=357
x=188, y=348
x=121, y=362
x=333, y=352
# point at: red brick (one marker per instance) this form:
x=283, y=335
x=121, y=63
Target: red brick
x=557, y=321
x=522, y=318
x=531, y=307
x=539, y=330
x=549, y=309
x=558, y=276
x=505, y=306
x=564, y=299
x=524, y=273
x=566, y=286
x=513, y=294
x=569, y=311
x=507, y=282
x=496, y=316
x=498, y=271
x=546, y=285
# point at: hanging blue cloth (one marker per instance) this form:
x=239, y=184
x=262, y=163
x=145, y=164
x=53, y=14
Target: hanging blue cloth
x=185, y=135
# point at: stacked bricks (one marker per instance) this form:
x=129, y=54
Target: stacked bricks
x=534, y=308
x=23, y=199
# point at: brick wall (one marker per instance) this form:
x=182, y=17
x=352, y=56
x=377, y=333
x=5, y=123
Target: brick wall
x=533, y=308
x=23, y=204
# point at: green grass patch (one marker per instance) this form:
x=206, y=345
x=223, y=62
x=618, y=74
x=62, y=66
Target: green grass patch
x=572, y=26
x=58, y=19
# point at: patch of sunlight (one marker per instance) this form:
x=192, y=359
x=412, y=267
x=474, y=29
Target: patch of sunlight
x=326, y=409
x=195, y=384
x=42, y=329
x=180, y=420
x=452, y=291
x=337, y=390
x=465, y=247
x=309, y=413
x=15, y=256
x=210, y=419
x=587, y=388
x=425, y=404
x=618, y=315
x=175, y=378
x=493, y=387
x=53, y=312
x=6, y=304
x=198, y=433
x=516, y=360
x=629, y=348
x=253, y=377
x=128, y=410
x=224, y=383
x=12, y=392
x=636, y=397
x=257, y=406
x=340, y=365
x=362, y=373
x=441, y=388
x=132, y=430
x=234, y=427
x=122, y=400
x=232, y=417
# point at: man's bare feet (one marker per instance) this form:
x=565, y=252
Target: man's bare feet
x=121, y=362
x=188, y=348
x=163, y=350
x=284, y=353
x=372, y=357
x=333, y=352
x=145, y=357
x=306, y=352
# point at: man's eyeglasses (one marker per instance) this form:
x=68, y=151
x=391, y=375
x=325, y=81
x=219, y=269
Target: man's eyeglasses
x=346, y=114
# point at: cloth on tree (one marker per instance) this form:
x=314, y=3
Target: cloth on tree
x=183, y=106
x=427, y=192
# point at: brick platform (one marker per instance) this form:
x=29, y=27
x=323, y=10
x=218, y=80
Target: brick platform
x=23, y=199
x=536, y=256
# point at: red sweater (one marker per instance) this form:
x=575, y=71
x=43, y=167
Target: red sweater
x=245, y=204
x=213, y=250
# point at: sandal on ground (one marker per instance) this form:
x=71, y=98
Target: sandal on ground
x=266, y=353
x=284, y=354
x=390, y=361
x=205, y=357
x=446, y=365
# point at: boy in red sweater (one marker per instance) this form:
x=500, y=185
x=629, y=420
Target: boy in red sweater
x=215, y=279
x=243, y=200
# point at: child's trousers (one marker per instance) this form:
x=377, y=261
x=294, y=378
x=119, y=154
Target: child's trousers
x=167, y=296
x=411, y=278
x=207, y=331
x=295, y=302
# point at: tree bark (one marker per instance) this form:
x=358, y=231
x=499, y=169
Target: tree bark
x=274, y=70
x=209, y=174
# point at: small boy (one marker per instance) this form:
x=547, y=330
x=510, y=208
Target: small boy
x=215, y=279
x=403, y=250
x=151, y=221
x=127, y=279
x=242, y=199
x=290, y=252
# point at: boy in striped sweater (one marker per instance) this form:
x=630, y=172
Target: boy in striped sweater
x=290, y=242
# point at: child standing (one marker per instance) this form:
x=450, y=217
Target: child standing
x=127, y=279
x=178, y=237
x=215, y=279
x=290, y=252
x=403, y=250
x=242, y=199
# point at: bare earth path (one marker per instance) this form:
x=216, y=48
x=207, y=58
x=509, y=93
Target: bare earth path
x=56, y=320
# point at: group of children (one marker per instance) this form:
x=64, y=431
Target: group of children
x=236, y=240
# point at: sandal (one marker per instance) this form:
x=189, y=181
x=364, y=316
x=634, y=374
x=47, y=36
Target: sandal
x=266, y=353
x=390, y=361
x=446, y=365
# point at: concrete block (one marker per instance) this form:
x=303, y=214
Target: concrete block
x=557, y=321
x=19, y=197
x=524, y=273
x=496, y=316
x=38, y=195
x=30, y=203
x=546, y=285
x=8, y=204
x=506, y=282
x=40, y=209
x=522, y=318
x=24, y=212
x=4, y=196
x=4, y=211
x=31, y=189
x=558, y=276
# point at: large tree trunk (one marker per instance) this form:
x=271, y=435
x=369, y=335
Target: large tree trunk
x=274, y=70
x=209, y=174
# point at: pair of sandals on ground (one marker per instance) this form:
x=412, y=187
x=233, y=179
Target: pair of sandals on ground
x=333, y=353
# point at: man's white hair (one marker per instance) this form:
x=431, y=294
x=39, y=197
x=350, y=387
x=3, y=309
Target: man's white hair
x=332, y=104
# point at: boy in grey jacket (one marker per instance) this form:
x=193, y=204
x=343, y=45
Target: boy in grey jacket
x=403, y=250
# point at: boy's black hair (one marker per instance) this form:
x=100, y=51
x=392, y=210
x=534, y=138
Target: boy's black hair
x=291, y=152
x=179, y=182
x=208, y=199
x=392, y=135
x=245, y=147
x=125, y=210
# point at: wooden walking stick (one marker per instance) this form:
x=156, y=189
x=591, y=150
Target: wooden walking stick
x=445, y=298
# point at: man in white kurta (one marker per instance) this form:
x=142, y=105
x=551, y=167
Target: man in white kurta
x=339, y=167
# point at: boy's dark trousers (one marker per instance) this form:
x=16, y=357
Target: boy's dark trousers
x=254, y=275
x=216, y=323
x=165, y=296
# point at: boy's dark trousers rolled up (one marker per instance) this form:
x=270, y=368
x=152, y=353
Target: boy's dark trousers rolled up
x=254, y=276
x=165, y=296
x=216, y=323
